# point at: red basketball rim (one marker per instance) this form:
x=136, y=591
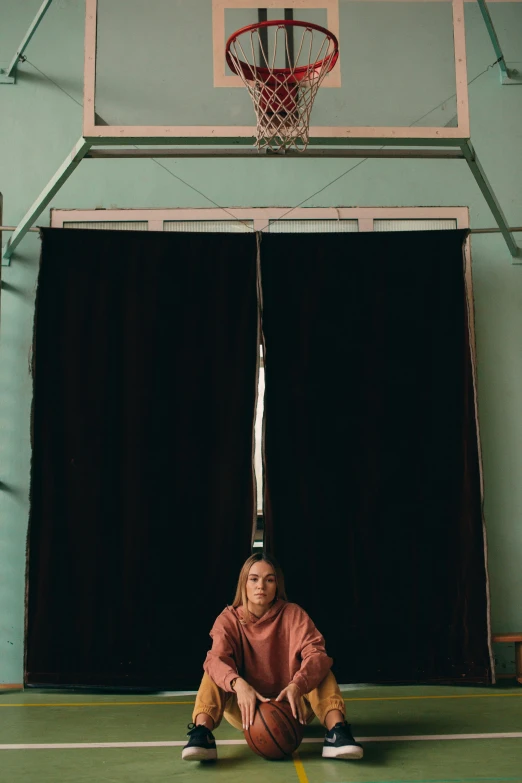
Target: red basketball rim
x=286, y=74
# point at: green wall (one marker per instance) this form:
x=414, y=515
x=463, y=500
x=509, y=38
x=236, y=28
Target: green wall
x=39, y=124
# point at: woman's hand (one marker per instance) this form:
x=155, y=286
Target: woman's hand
x=292, y=695
x=246, y=699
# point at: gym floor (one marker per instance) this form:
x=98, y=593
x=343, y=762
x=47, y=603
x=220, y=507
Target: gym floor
x=412, y=734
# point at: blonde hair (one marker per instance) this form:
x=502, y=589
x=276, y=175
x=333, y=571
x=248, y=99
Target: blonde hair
x=241, y=594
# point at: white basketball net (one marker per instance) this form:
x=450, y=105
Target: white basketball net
x=283, y=101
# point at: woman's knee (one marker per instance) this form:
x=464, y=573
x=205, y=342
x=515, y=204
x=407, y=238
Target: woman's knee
x=232, y=713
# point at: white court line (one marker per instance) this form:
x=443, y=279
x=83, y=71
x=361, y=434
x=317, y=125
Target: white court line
x=314, y=740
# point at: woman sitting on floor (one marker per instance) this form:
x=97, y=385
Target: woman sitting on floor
x=263, y=648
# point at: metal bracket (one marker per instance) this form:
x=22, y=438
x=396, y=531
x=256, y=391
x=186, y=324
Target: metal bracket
x=53, y=186
x=4, y=78
x=8, y=72
x=6, y=259
x=507, y=75
x=513, y=76
x=488, y=193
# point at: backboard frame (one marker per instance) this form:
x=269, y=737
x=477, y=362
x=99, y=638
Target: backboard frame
x=243, y=135
x=224, y=79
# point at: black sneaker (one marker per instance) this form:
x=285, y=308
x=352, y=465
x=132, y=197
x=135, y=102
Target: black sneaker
x=201, y=745
x=339, y=743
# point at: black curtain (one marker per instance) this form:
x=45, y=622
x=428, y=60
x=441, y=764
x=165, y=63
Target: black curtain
x=142, y=497
x=373, y=499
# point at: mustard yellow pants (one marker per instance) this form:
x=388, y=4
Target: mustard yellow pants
x=217, y=703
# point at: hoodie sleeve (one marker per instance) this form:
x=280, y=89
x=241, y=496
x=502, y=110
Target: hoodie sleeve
x=224, y=658
x=315, y=663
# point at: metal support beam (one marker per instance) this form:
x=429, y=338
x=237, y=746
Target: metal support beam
x=50, y=190
x=488, y=193
x=507, y=75
x=8, y=74
x=83, y=147
x=233, y=142
x=252, y=153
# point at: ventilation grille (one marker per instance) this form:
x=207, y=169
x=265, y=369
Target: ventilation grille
x=274, y=226
x=413, y=225
x=210, y=226
x=313, y=226
x=111, y=225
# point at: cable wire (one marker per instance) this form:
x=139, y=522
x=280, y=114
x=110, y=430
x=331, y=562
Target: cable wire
x=25, y=60
x=316, y=193
x=364, y=160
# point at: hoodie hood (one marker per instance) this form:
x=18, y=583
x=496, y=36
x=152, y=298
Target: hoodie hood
x=251, y=619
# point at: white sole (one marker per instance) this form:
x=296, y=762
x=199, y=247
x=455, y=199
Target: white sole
x=199, y=754
x=345, y=752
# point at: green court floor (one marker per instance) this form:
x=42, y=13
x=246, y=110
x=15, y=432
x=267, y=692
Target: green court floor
x=411, y=734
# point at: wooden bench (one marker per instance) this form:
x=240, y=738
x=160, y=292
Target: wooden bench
x=509, y=638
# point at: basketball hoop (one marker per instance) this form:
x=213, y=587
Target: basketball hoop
x=282, y=96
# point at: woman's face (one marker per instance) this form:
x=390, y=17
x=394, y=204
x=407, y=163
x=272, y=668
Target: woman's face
x=261, y=587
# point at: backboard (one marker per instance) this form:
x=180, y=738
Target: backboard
x=156, y=71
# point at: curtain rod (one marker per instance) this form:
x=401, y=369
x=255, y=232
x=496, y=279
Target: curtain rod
x=471, y=231
x=13, y=228
x=493, y=230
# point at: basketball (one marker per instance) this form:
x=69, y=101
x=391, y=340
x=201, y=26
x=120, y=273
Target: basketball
x=275, y=733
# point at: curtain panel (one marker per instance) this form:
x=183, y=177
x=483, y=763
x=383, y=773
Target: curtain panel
x=142, y=491
x=372, y=471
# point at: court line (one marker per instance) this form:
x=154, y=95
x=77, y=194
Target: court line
x=95, y=704
x=307, y=740
x=439, y=737
x=443, y=780
x=454, y=696
x=299, y=768
x=361, y=698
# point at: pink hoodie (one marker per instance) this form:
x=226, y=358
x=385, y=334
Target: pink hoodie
x=281, y=647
